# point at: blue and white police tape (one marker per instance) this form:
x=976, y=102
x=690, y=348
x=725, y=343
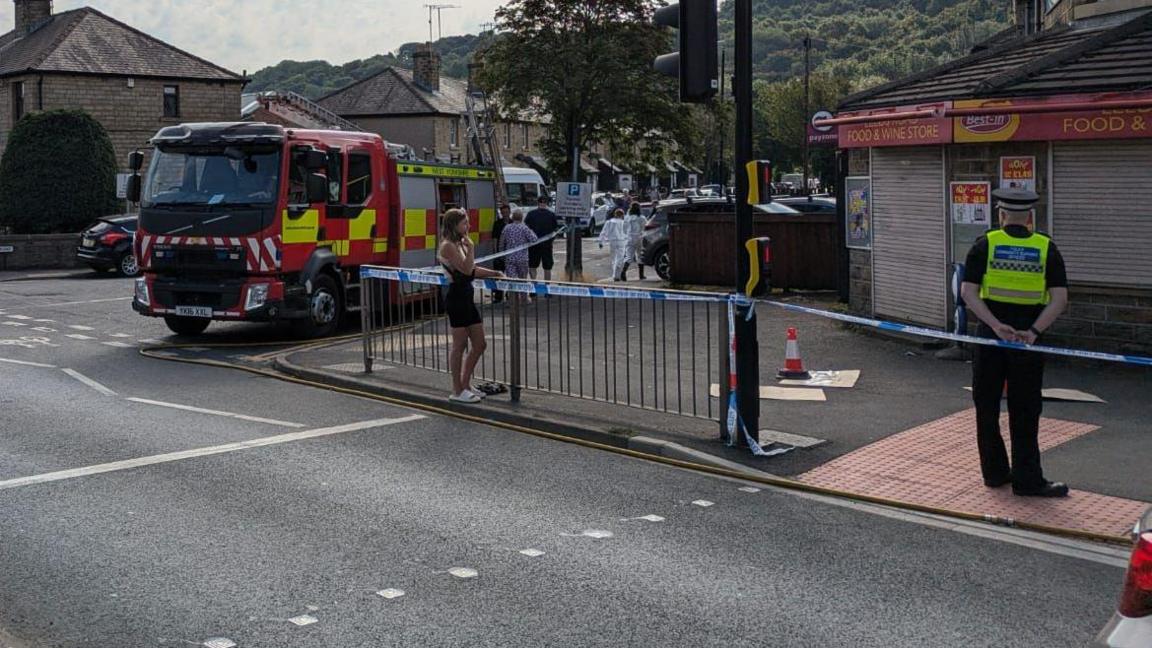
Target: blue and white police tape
x=512, y=250
x=529, y=287
x=957, y=337
x=735, y=423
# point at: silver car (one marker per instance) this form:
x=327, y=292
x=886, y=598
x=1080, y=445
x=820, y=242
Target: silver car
x=1131, y=625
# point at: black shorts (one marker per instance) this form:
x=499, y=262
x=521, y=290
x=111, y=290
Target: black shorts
x=462, y=311
x=541, y=255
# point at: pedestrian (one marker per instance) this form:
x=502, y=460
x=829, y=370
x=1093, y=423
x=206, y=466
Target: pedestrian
x=617, y=239
x=457, y=254
x=517, y=235
x=503, y=218
x=1016, y=284
x=544, y=223
x=634, y=228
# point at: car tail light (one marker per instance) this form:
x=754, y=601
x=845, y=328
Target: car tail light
x=113, y=237
x=1136, y=600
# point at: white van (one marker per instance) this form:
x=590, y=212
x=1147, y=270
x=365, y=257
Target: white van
x=523, y=186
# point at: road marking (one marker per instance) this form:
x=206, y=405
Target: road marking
x=77, y=327
x=19, y=317
x=119, y=335
x=200, y=410
x=77, y=336
x=43, y=329
x=77, y=303
x=118, y=345
x=88, y=381
x=14, y=324
x=27, y=364
x=203, y=452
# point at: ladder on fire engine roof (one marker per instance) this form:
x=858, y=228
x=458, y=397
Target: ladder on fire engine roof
x=482, y=136
x=306, y=105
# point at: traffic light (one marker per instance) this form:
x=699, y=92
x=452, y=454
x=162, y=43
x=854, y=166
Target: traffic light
x=759, y=182
x=695, y=63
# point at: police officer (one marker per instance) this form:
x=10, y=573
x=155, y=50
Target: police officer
x=1016, y=285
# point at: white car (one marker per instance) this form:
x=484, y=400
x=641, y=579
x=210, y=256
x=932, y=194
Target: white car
x=602, y=205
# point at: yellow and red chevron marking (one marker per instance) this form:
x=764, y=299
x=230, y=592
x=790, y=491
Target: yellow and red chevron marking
x=261, y=254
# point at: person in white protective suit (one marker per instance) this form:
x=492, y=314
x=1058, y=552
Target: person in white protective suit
x=634, y=226
x=617, y=239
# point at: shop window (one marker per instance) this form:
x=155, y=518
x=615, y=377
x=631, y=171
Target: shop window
x=359, y=178
x=171, y=102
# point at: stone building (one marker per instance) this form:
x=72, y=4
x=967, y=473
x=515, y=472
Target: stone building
x=130, y=82
x=426, y=111
x=1061, y=104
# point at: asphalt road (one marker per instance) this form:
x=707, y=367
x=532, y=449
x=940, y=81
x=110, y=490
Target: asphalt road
x=134, y=523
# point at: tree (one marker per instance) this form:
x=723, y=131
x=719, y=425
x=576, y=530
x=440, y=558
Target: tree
x=58, y=174
x=782, y=125
x=588, y=66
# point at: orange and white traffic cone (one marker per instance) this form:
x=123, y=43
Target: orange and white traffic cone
x=793, y=365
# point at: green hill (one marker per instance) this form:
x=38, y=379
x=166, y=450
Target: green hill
x=317, y=78
x=865, y=41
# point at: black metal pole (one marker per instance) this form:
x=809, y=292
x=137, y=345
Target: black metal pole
x=747, y=348
x=807, y=107
x=723, y=104
x=574, y=264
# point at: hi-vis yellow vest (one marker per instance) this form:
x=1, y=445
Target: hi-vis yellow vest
x=1016, y=269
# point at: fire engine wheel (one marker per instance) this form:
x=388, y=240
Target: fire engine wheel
x=186, y=325
x=324, y=309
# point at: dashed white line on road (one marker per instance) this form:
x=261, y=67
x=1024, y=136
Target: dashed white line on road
x=88, y=381
x=118, y=345
x=78, y=327
x=14, y=324
x=19, y=317
x=43, y=329
x=78, y=336
x=201, y=410
x=27, y=364
x=76, y=303
x=119, y=335
x=203, y=452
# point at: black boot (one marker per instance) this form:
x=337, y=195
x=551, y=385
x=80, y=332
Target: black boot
x=641, y=268
x=624, y=272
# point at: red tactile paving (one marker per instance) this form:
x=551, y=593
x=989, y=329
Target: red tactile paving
x=936, y=464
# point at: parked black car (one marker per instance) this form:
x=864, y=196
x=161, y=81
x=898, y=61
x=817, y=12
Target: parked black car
x=107, y=245
x=654, y=245
x=809, y=204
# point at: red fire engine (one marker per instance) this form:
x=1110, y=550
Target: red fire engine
x=252, y=221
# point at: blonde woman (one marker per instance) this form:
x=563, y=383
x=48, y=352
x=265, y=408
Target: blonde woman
x=457, y=255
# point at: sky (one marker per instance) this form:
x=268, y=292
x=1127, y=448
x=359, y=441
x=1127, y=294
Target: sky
x=253, y=34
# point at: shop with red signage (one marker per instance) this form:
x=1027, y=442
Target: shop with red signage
x=1067, y=114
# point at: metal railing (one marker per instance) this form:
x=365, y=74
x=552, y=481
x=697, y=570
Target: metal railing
x=659, y=350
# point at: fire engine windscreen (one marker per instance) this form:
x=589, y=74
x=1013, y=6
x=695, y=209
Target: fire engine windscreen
x=231, y=176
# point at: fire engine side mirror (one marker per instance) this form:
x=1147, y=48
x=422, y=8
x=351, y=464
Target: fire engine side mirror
x=317, y=188
x=132, y=193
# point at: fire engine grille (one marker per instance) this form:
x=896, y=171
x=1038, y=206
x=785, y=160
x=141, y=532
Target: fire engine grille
x=219, y=296
x=222, y=261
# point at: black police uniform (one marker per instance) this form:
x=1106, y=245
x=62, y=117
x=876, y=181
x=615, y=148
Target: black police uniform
x=1022, y=370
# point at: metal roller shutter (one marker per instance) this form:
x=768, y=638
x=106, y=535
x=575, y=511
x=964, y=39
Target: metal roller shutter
x=1102, y=211
x=909, y=249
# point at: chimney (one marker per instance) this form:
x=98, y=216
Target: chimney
x=31, y=14
x=426, y=68
x=474, y=72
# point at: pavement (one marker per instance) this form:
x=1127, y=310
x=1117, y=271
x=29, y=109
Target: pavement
x=904, y=393
x=154, y=503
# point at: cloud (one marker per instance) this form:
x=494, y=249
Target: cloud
x=252, y=34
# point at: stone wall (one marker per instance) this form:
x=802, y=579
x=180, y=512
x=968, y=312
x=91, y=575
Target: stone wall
x=1105, y=319
x=39, y=251
x=131, y=115
x=860, y=283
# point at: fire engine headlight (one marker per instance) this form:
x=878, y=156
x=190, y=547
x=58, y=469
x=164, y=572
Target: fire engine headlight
x=142, y=296
x=257, y=295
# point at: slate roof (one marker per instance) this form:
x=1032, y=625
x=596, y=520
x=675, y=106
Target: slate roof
x=1071, y=60
x=393, y=92
x=85, y=41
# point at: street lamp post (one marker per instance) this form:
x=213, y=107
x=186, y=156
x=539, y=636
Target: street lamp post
x=807, y=106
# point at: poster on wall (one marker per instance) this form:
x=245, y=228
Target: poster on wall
x=1018, y=172
x=858, y=212
x=971, y=203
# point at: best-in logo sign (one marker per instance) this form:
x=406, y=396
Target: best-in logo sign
x=985, y=124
